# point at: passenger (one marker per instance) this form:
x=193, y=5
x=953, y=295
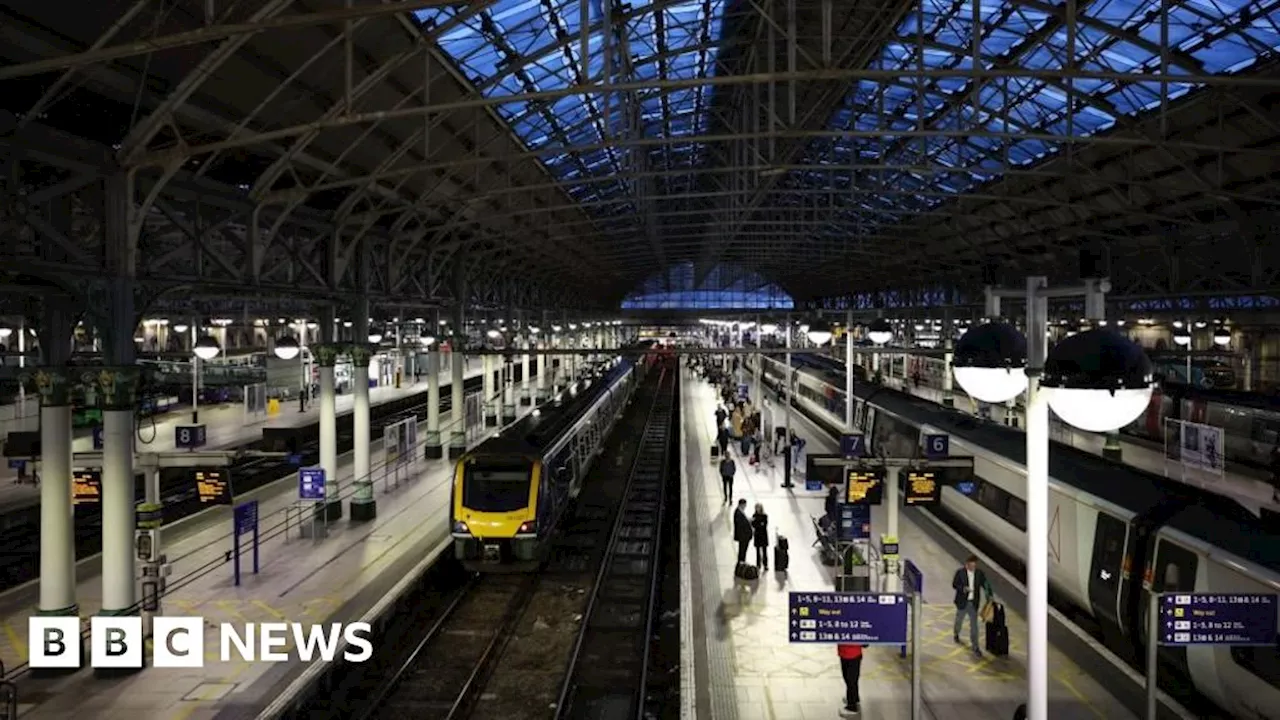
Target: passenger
x=742, y=530
x=722, y=439
x=720, y=416
x=833, y=502
x=851, y=669
x=728, y=468
x=760, y=533
x=736, y=420
x=969, y=583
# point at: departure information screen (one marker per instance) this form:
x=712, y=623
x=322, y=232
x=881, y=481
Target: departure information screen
x=86, y=487
x=214, y=486
x=922, y=487
x=864, y=486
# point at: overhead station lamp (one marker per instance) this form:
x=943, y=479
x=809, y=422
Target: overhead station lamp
x=880, y=332
x=819, y=332
x=5, y=332
x=375, y=337
x=206, y=348
x=287, y=348
x=768, y=328
x=1221, y=336
x=494, y=333
x=990, y=362
x=427, y=340
x=556, y=328
x=179, y=328
x=1181, y=336
x=1098, y=380
x=533, y=330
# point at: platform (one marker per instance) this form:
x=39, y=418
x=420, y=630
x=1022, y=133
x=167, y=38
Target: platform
x=739, y=664
x=226, y=427
x=336, y=579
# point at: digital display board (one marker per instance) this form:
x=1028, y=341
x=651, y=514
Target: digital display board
x=855, y=522
x=922, y=487
x=848, y=617
x=214, y=486
x=1218, y=619
x=824, y=474
x=86, y=487
x=864, y=487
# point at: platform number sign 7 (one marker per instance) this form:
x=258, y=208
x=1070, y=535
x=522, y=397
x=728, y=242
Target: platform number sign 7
x=937, y=446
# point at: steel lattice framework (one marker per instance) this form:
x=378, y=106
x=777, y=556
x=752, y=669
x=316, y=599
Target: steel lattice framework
x=556, y=153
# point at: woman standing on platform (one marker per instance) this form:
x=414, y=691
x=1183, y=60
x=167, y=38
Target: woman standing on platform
x=760, y=533
x=851, y=669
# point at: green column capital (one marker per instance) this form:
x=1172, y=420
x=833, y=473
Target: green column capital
x=116, y=387
x=360, y=354
x=54, y=385
x=326, y=355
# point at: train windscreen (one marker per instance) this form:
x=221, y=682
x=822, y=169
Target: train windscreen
x=496, y=488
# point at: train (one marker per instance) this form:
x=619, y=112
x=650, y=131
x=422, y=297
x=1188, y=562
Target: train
x=1115, y=532
x=510, y=492
x=1250, y=421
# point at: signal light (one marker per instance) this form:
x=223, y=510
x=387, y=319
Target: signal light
x=526, y=527
x=461, y=527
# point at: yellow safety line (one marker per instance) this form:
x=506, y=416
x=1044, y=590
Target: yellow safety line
x=229, y=607
x=768, y=703
x=1070, y=686
x=15, y=642
x=184, y=712
x=269, y=609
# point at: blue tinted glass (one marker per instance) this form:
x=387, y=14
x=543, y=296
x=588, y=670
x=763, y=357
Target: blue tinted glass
x=720, y=287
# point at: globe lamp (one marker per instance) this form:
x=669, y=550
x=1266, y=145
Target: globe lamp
x=428, y=340
x=287, y=348
x=990, y=362
x=1181, y=336
x=494, y=334
x=1098, y=380
x=880, y=332
x=1221, y=336
x=768, y=328
x=819, y=332
x=375, y=337
x=206, y=348
x=180, y=328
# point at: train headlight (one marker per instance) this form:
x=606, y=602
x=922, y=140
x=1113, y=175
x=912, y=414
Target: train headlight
x=461, y=527
x=527, y=527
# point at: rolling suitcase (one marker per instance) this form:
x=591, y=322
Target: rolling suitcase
x=747, y=572
x=998, y=633
x=781, y=554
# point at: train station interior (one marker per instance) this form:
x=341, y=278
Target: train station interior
x=648, y=360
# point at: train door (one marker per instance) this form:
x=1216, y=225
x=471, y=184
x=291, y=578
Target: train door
x=1107, y=570
x=1199, y=410
x=1174, y=570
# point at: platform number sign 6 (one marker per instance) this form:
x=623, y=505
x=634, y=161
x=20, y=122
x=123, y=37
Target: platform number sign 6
x=937, y=446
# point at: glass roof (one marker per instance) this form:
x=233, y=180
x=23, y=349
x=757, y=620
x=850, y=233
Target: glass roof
x=1206, y=36
x=518, y=46
x=723, y=286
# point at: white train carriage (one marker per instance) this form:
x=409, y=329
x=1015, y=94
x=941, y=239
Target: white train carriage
x=1113, y=531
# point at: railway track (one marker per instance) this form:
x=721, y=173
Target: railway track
x=501, y=646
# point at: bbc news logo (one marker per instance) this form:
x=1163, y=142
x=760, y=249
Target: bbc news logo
x=179, y=642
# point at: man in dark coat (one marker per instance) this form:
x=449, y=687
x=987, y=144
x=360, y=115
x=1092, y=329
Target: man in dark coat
x=727, y=470
x=742, y=530
x=969, y=583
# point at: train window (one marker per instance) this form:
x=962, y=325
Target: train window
x=496, y=488
x=993, y=498
x=1266, y=431
x=1263, y=662
x=1017, y=513
x=1175, y=568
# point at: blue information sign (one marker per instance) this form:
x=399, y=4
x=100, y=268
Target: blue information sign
x=188, y=437
x=912, y=577
x=246, y=517
x=852, y=446
x=311, y=483
x=97, y=437
x=848, y=617
x=855, y=521
x=937, y=447
x=294, y=459
x=1218, y=619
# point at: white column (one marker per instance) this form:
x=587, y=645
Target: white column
x=526, y=390
x=490, y=403
x=948, y=357
x=435, y=447
x=508, y=389
x=57, y=520
x=544, y=373
x=848, y=371
x=1037, y=435
x=458, y=413
x=118, y=500
x=328, y=427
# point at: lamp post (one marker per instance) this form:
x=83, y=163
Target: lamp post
x=1096, y=380
x=1182, y=338
x=288, y=348
x=879, y=332
x=1221, y=336
x=206, y=348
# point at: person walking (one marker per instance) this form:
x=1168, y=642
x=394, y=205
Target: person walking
x=722, y=439
x=969, y=583
x=742, y=530
x=851, y=669
x=727, y=470
x=760, y=534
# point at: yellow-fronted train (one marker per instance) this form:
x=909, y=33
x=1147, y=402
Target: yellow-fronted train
x=510, y=492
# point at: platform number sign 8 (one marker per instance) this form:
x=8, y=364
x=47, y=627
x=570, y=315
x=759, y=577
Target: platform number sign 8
x=189, y=436
x=937, y=446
